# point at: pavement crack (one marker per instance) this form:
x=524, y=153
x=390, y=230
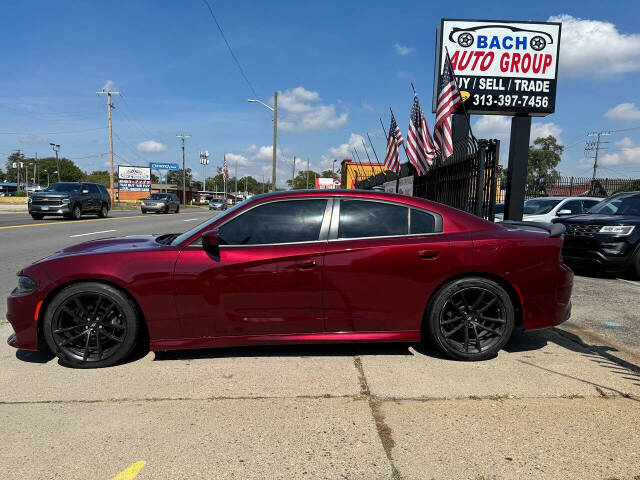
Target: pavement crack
x=384, y=431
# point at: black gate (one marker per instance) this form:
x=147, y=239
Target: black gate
x=467, y=180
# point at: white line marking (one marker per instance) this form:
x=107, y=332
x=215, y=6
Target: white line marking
x=191, y=219
x=91, y=233
x=637, y=284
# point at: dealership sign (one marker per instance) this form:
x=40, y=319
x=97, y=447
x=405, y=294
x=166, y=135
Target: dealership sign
x=134, y=179
x=163, y=166
x=501, y=67
x=327, y=183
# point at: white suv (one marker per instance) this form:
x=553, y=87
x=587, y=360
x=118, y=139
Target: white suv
x=545, y=209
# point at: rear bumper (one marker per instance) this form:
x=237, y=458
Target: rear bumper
x=545, y=294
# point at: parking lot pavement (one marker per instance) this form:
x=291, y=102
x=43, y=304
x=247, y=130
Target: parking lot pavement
x=544, y=408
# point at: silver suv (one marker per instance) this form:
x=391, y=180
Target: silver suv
x=161, y=203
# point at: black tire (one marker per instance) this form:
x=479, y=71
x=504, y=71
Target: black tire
x=178, y=209
x=76, y=212
x=143, y=212
x=636, y=263
x=104, y=211
x=470, y=319
x=75, y=336
x=37, y=216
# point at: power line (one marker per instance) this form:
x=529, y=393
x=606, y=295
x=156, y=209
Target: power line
x=53, y=133
x=230, y=49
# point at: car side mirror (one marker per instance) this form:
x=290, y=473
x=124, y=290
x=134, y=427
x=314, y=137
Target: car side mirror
x=562, y=213
x=211, y=242
x=84, y=192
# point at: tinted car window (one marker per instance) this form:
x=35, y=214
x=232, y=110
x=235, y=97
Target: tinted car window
x=624, y=204
x=276, y=222
x=539, y=206
x=422, y=222
x=587, y=204
x=361, y=218
x=573, y=205
x=93, y=189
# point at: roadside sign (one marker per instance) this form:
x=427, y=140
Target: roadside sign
x=134, y=179
x=163, y=166
x=405, y=186
x=502, y=67
x=327, y=183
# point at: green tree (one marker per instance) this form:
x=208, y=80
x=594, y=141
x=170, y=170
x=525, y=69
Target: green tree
x=101, y=176
x=544, y=157
x=300, y=180
x=175, y=177
x=329, y=174
x=3, y=176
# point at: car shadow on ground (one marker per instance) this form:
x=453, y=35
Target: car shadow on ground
x=41, y=356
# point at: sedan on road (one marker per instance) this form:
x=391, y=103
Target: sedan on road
x=217, y=204
x=298, y=267
x=161, y=203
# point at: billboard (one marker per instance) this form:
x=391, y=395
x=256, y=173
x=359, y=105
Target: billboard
x=327, y=183
x=163, y=166
x=134, y=179
x=502, y=67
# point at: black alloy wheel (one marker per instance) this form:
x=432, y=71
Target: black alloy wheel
x=76, y=213
x=91, y=325
x=104, y=211
x=471, y=319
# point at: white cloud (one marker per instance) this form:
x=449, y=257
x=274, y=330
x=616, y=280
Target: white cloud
x=345, y=150
x=261, y=153
x=403, y=49
x=151, y=146
x=595, y=48
x=539, y=129
x=624, y=111
x=232, y=158
x=367, y=107
x=108, y=85
x=302, y=112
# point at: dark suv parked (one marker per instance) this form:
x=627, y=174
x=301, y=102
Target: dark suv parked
x=70, y=200
x=607, y=236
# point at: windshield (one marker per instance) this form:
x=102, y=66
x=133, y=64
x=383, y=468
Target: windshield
x=62, y=187
x=181, y=238
x=217, y=200
x=628, y=204
x=157, y=196
x=540, y=206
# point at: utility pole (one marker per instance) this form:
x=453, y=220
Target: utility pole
x=275, y=143
x=182, y=137
x=18, y=164
x=56, y=148
x=262, y=183
x=596, y=146
x=293, y=174
x=307, y=173
x=236, y=176
x=110, y=107
x=35, y=162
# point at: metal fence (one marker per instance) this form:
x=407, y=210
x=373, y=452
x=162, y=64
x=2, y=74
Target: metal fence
x=580, y=186
x=467, y=180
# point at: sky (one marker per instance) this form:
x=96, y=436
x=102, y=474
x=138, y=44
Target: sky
x=338, y=68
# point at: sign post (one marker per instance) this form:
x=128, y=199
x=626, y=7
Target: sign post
x=503, y=68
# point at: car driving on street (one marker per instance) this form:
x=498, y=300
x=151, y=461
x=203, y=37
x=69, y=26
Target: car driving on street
x=161, y=203
x=217, y=204
x=608, y=236
x=70, y=200
x=298, y=267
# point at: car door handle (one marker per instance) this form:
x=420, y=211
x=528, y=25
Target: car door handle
x=428, y=254
x=306, y=266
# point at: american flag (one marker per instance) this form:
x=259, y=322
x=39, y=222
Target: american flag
x=225, y=171
x=420, y=148
x=394, y=140
x=448, y=100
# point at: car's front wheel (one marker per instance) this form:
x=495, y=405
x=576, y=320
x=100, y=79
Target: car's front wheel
x=37, y=216
x=91, y=325
x=470, y=319
x=76, y=212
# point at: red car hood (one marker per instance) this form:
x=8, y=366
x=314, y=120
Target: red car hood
x=113, y=245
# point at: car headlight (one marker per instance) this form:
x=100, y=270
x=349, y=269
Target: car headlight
x=26, y=285
x=617, y=229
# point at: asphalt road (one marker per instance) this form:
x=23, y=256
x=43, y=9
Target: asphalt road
x=24, y=240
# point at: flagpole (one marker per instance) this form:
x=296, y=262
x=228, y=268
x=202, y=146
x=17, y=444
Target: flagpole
x=464, y=108
x=374, y=150
x=358, y=164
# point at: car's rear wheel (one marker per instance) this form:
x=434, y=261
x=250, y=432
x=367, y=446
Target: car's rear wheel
x=91, y=325
x=471, y=319
x=104, y=211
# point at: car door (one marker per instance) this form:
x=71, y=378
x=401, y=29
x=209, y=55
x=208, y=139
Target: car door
x=268, y=277
x=86, y=199
x=383, y=260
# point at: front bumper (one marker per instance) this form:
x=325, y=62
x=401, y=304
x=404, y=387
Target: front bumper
x=22, y=313
x=154, y=208
x=64, y=209
x=611, y=254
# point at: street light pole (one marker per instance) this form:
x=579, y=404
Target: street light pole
x=56, y=148
x=274, y=109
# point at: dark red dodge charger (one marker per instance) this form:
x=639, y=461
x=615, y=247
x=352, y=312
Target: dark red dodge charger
x=305, y=266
